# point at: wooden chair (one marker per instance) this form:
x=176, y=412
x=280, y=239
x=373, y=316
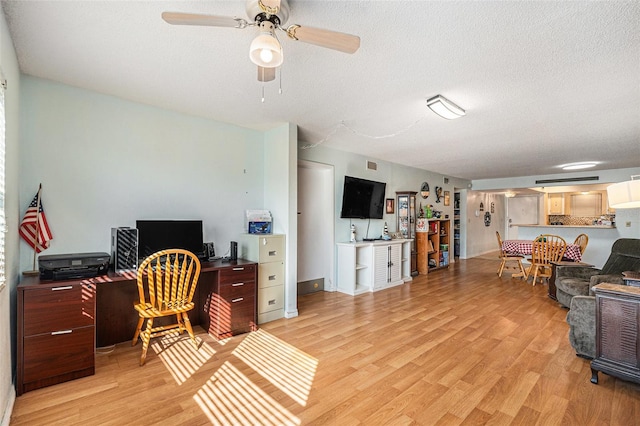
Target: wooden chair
x=508, y=257
x=167, y=281
x=582, y=240
x=551, y=238
x=543, y=253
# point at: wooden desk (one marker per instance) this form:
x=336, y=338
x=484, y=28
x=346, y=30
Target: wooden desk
x=56, y=328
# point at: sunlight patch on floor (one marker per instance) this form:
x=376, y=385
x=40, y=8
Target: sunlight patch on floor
x=286, y=367
x=179, y=355
x=229, y=397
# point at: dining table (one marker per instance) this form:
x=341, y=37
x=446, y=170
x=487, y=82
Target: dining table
x=524, y=247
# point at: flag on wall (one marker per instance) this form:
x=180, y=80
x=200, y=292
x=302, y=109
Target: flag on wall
x=35, y=223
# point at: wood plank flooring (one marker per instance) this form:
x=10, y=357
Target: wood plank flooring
x=459, y=346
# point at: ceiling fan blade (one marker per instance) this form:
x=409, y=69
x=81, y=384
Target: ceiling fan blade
x=178, y=18
x=343, y=42
x=266, y=74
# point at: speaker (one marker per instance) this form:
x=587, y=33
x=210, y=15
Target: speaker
x=233, y=251
x=124, y=249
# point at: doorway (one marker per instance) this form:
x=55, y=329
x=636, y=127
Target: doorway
x=316, y=223
x=521, y=210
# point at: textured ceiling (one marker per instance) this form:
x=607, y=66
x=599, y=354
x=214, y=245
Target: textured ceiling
x=543, y=83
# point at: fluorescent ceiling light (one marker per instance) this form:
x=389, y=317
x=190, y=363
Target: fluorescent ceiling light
x=445, y=108
x=625, y=195
x=579, y=166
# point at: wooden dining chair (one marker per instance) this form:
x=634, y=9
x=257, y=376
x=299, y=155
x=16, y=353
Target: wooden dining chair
x=543, y=253
x=582, y=240
x=551, y=238
x=508, y=257
x=167, y=281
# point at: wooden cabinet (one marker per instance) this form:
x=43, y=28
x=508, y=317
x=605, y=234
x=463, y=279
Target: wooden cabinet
x=269, y=252
x=433, y=246
x=617, y=332
x=373, y=266
x=233, y=303
x=556, y=203
x=406, y=208
x=56, y=334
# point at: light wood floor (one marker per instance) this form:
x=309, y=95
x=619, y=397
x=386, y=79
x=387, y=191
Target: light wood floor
x=459, y=346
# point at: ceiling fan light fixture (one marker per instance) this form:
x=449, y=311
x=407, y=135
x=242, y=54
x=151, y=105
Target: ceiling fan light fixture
x=445, y=108
x=265, y=50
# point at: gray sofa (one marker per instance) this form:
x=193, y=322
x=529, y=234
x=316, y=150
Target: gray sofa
x=574, y=291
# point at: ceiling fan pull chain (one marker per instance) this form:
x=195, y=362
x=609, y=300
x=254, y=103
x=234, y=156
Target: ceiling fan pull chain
x=280, y=80
x=262, y=92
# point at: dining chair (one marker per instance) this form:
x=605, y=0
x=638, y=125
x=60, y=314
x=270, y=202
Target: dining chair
x=543, y=254
x=551, y=238
x=582, y=240
x=167, y=281
x=508, y=257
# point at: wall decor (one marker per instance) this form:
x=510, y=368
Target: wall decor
x=447, y=198
x=424, y=190
x=438, y=193
x=390, y=209
x=487, y=219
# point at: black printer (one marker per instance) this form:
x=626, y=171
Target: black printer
x=73, y=265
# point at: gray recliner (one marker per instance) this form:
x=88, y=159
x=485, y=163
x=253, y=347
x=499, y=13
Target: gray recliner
x=577, y=281
x=574, y=291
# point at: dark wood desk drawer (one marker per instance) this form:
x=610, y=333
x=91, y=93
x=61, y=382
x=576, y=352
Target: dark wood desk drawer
x=236, y=317
x=58, y=308
x=54, y=354
x=237, y=274
x=235, y=290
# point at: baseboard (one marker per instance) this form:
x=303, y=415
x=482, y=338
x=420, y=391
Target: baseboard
x=8, y=409
x=291, y=314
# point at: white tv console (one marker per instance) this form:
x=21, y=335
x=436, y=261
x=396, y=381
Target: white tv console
x=373, y=265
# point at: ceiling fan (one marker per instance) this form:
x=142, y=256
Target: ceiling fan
x=268, y=16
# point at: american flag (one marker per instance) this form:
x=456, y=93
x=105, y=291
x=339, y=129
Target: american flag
x=30, y=223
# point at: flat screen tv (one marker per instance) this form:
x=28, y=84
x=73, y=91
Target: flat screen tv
x=156, y=235
x=362, y=199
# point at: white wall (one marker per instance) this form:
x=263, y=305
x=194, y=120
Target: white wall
x=396, y=176
x=481, y=239
x=9, y=68
x=104, y=162
x=281, y=193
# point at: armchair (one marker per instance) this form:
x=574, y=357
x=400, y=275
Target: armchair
x=577, y=281
x=574, y=283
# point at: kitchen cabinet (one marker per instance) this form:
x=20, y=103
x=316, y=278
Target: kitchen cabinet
x=556, y=204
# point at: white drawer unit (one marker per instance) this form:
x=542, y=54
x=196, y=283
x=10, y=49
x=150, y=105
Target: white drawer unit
x=269, y=252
